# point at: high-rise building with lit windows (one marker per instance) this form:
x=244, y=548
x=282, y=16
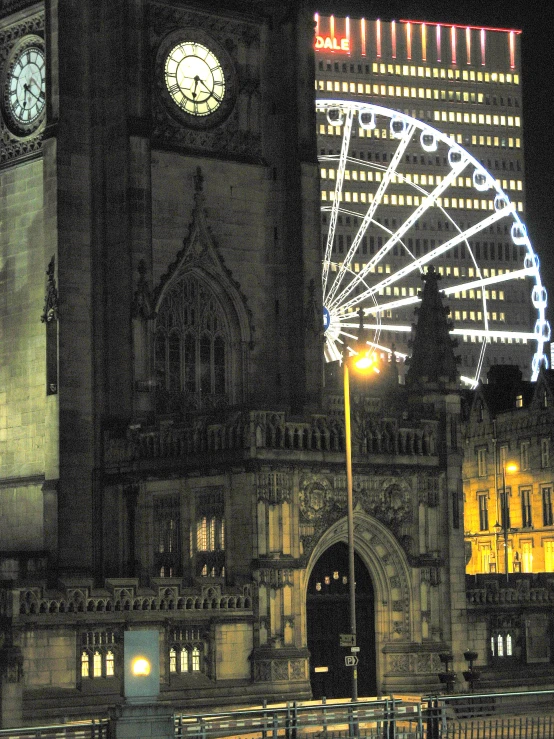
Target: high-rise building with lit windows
x=421, y=157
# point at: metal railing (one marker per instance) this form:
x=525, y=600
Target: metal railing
x=95, y=729
x=384, y=718
x=515, y=715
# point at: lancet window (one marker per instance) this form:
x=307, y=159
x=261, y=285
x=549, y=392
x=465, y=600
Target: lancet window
x=192, y=347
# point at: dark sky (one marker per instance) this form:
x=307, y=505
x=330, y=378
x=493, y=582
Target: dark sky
x=532, y=17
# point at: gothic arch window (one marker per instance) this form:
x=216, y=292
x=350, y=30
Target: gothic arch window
x=192, y=346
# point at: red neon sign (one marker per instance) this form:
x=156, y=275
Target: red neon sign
x=332, y=43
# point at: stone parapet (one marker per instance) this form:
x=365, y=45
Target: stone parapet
x=520, y=590
x=127, y=597
x=250, y=433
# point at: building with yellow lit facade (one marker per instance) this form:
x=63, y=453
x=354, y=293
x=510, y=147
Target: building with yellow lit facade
x=508, y=475
x=465, y=82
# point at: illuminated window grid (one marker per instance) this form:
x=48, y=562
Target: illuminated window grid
x=437, y=73
x=348, y=196
x=493, y=120
x=498, y=142
x=369, y=175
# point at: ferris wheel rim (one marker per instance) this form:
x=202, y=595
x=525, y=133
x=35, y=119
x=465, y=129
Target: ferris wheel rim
x=461, y=158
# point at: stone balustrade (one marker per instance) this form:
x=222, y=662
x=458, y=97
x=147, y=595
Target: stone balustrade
x=520, y=590
x=129, y=597
x=249, y=432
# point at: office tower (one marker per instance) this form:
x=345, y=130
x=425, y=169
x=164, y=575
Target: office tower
x=401, y=195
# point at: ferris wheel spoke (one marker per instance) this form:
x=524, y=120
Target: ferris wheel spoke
x=485, y=281
x=392, y=305
x=417, y=264
x=347, y=132
x=387, y=177
x=492, y=333
x=428, y=202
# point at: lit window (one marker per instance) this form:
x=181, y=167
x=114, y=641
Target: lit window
x=486, y=554
x=527, y=556
x=545, y=451
x=98, y=654
x=549, y=556
x=482, y=462
x=524, y=455
x=195, y=659
x=526, y=509
x=483, y=512
x=188, y=651
x=97, y=664
x=110, y=664
x=85, y=664
x=547, y=506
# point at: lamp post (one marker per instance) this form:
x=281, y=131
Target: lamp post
x=365, y=363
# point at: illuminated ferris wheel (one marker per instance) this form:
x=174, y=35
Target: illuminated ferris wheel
x=381, y=278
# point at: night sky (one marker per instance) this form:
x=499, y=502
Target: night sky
x=538, y=92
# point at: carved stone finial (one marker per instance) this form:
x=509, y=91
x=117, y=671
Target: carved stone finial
x=50, y=311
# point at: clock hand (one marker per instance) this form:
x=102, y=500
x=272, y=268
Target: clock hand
x=196, y=81
x=37, y=97
x=205, y=85
x=212, y=93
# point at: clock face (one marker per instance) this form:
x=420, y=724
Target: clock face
x=194, y=78
x=25, y=89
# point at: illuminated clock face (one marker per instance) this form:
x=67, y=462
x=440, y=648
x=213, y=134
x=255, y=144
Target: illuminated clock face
x=194, y=78
x=25, y=89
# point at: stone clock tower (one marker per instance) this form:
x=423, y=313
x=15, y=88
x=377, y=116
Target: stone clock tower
x=167, y=458
x=159, y=252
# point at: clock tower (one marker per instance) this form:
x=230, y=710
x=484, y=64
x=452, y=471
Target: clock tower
x=160, y=263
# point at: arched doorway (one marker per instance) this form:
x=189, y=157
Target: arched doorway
x=328, y=617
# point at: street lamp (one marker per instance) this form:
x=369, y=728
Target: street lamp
x=365, y=362
x=507, y=467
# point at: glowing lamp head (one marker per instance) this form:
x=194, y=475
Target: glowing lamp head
x=141, y=667
x=366, y=362
x=511, y=468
